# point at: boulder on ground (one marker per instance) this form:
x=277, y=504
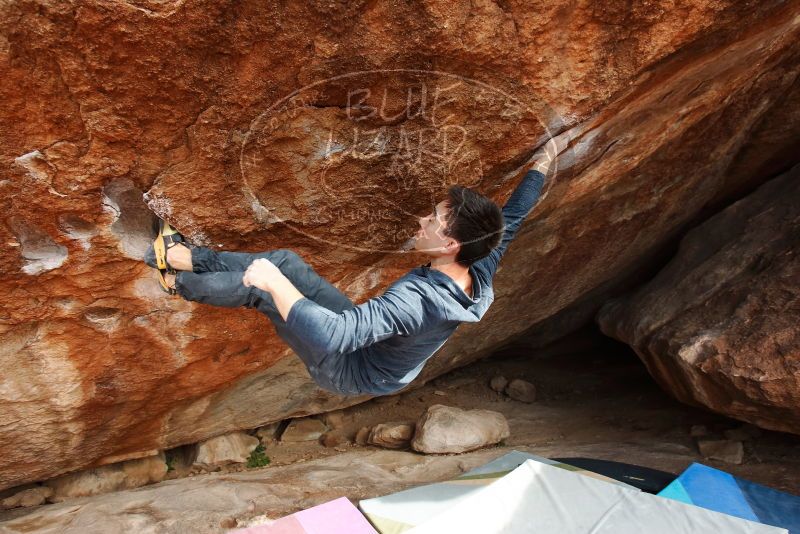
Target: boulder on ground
x=28, y=497
x=122, y=475
x=719, y=325
x=391, y=435
x=233, y=448
x=444, y=429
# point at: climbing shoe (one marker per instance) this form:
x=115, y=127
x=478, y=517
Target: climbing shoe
x=156, y=255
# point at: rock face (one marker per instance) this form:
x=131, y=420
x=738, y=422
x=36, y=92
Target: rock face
x=719, y=326
x=387, y=105
x=445, y=430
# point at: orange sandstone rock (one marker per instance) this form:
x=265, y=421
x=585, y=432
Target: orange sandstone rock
x=328, y=130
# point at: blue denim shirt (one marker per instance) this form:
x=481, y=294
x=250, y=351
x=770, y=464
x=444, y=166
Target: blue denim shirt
x=380, y=346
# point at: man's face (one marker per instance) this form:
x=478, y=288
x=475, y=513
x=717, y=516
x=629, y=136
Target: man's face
x=430, y=238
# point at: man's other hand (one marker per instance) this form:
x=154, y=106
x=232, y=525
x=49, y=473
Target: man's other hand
x=545, y=156
x=261, y=274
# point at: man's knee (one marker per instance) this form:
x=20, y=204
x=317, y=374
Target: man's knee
x=289, y=257
x=293, y=266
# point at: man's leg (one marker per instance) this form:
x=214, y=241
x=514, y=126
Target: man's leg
x=226, y=289
x=217, y=289
x=302, y=275
x=215, y=278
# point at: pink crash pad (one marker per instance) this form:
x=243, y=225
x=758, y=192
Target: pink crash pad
x=334, y=517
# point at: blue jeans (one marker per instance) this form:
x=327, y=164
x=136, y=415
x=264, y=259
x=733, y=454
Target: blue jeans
x=216, y=279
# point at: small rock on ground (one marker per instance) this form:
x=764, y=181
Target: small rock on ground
x=498, y=383
x=521, y=390
x=720, y=449
x=333, y=439
x=362, y=436
x=233, y=448
x=268, y=433
x=306, y=429
x=391, y=435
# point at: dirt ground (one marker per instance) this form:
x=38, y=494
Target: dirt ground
x=591, y=391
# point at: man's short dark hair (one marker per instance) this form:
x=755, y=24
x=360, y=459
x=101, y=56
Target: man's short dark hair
x=475, y=222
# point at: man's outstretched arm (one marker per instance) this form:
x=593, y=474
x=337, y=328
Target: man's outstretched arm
x=522, y=201
x=398, y=311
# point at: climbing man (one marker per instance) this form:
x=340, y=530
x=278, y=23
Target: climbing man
x=377, y=347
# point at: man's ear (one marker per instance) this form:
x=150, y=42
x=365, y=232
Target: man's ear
x=452, y=246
